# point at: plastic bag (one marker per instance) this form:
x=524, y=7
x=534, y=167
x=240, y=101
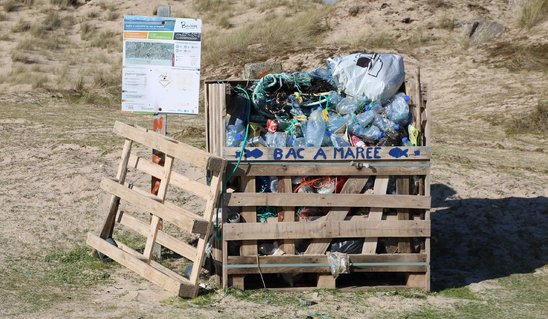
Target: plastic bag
x=277, y=139
x=347, y=246
x=373, y=75
x=338, y=263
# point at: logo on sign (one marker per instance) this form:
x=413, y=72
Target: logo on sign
x=186, y=25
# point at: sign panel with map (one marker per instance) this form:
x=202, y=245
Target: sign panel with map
x=161, y=65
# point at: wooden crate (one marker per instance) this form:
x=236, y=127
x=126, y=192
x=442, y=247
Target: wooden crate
x=396, y=222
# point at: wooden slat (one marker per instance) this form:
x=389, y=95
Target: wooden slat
x=327, y=200
x=108, y=226
x=155, y=220
x=375, y=214
x=402, y=187
x=178, y=287
x=163, y=144
x=353, y=185
x=310, y=169
x=249, y=216
x=166, y=240
x=176, y=215
x=209, y=212
x=287, y=214
x=179, y=180
x=372, y=153
x=326, y=229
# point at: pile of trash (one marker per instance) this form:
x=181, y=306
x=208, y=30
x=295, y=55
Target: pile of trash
x=353, y=101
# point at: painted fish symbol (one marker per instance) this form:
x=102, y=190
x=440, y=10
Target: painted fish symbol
x=398, y=152
x=255, y=153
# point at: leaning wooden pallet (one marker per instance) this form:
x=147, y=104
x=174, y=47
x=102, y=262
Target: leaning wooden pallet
x=160, y=208
x=395, y=230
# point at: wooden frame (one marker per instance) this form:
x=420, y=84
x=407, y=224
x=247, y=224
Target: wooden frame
x=407, y=167
x=160, y=209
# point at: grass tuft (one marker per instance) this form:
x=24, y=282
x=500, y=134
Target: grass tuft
x=532, y=122
x=531, y=12
x=10, y=5
x=22, y=25
x=76, y=267
x=447, y=22
x=63, y=4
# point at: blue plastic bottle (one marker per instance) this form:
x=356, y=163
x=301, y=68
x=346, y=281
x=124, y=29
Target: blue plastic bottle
x=315, y=129
x=398, y=109
x=389, y=128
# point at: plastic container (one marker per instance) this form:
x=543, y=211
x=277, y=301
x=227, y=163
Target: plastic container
x=336, y=122
x=389, y=128
x=315, y=129
x=398, y=109
x=405, y=141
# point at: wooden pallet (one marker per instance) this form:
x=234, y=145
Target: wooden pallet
x=160, y=209
x=411, y=203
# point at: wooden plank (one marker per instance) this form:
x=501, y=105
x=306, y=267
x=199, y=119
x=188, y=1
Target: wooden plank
x=372, y=153
x=209, y=212
x=155, y=221
x=179, y=180
x=353, y=185
x=164, y=239
x=326, y=282
x=249, y=216
x=327, y=200
x=350, y=169
x=182, y=151
x=326, y=229
x=287, y=213
x=108, y=226
x=402, y=187
x=177, y=287
x=375, y=213
x=182, y=218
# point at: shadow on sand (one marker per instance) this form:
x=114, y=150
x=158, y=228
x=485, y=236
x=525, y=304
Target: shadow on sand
x=479, y=238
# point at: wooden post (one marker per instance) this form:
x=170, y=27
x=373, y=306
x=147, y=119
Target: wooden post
x=160, y=126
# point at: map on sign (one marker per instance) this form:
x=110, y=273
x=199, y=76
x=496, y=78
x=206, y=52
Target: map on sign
x=161, y=65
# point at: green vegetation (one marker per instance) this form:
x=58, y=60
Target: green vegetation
x=76, y=267
x=531, y=12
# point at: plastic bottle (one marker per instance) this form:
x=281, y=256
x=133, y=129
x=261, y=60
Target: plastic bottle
x=334, y=98
x=276, y=139
x=398, y=109
x=347, y=105
x=375, y=106
x=339, y=141
x=370, y=133
x=365, y=118
x=235, y=134
x=405, y=141
x=335, y=122
x=315, y=129
x=389, y=128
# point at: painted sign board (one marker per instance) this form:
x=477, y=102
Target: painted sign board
x=161, y=65
x=372, y=153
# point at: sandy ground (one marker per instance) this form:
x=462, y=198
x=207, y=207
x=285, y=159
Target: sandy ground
x=489, y=190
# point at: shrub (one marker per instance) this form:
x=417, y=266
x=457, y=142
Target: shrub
x=531, y=12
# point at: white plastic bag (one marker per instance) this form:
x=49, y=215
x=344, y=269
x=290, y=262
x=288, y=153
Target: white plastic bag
x=371, y=75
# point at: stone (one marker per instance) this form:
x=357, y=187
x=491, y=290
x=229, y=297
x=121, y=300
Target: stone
x=483, y=31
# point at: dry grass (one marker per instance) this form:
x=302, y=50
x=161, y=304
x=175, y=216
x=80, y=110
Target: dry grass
x=447, y=22
x=112, y=15
x=267, y=37
x=10, y=5
x=22, y=25
x=531, y=12
x=532, y=122
x=106, y=40
x=63, y=4
x=86, y=31
x=51, y=22
x=517, y=56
